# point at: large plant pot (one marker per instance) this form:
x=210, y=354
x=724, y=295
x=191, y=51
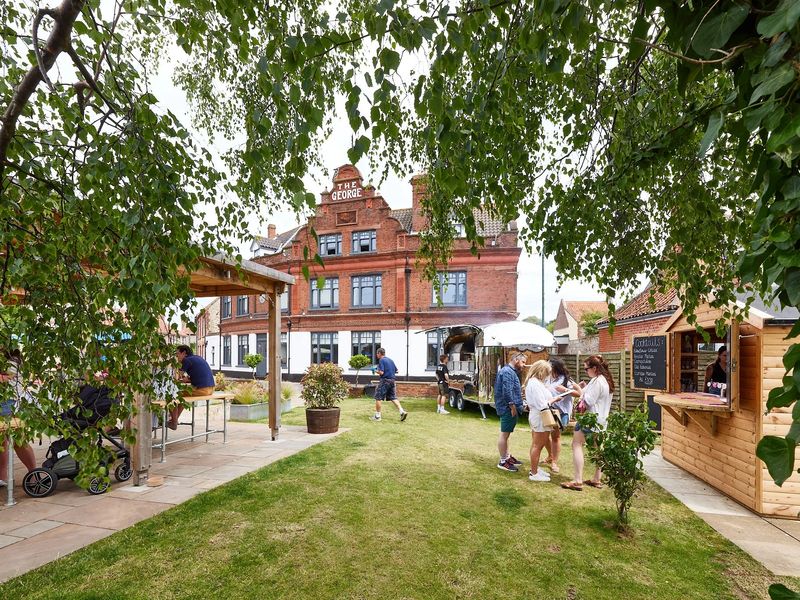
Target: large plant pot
x=249, y=412
x=322, y=420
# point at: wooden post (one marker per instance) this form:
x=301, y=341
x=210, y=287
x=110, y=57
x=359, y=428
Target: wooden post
x=143, y=447
x=274, y=358
x=623, y=382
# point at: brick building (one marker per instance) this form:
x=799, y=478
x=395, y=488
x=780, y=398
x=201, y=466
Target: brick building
x=208, y=328
x=638, y=316
x=370, y=291
x=567, y=329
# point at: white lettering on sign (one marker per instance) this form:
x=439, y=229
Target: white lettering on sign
x=347, y=191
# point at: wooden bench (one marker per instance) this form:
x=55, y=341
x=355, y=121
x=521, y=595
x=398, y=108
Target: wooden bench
x=6, y=426
x=193, y=401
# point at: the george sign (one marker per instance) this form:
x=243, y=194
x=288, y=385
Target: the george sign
x=347, y=190
x=649, y=362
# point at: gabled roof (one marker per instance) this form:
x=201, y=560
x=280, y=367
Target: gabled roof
x=277, y=243
x=490, y=225
x=577, y=308
x=640, y=305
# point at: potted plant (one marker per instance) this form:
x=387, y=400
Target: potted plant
x=250, y=402
x=323, y=388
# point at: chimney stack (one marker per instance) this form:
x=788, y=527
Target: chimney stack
x=270, y=231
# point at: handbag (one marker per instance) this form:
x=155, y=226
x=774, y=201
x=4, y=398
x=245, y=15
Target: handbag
x=548, y=420
x=582, y=407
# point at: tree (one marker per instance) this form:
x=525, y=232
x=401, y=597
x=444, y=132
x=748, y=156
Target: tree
x=589, y=322
x=647, y=137
x=252, y=361
x=358, y=362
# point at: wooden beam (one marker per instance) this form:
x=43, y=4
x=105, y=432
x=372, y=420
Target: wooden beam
x=142, y=452
x=274, y=363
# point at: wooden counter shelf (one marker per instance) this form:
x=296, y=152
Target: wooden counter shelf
x=698, y=407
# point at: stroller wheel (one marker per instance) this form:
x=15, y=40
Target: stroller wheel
x=40, y=482
x=98, y=486
x=123, y=472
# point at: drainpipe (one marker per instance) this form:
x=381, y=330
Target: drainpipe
x=219, y=333
x=408, y=314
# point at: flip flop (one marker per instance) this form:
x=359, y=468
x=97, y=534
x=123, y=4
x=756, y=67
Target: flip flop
x=594, y=484
x=571, y=485
x=554, y=468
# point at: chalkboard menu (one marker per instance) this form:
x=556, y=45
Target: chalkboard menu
x=649, y=362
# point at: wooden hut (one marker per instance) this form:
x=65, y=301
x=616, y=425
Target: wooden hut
x=714, y=435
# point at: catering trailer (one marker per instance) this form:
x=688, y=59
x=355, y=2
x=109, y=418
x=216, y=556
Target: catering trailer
x=477, y=353
x=711, y=428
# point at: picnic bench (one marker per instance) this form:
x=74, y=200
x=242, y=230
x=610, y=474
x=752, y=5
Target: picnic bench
x=193, y=402
x=6, y=427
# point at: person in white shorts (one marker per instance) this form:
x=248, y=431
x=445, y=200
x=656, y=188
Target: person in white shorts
x=537, y=398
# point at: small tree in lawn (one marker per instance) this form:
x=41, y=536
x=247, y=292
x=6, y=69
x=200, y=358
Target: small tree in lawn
x=618, y=451
x=252, y=361
x=358, y=362
x=323, y=386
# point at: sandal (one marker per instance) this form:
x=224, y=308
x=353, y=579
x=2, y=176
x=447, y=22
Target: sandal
x=554, y=468
x=572, y=485
x=594, y=484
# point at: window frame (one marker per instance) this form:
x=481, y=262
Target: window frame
x=355, y=238
x=441, y=276
x=377, y=290
x=329, y=238
x=240, y=356
x=226, y=351
x=316, y=293
x=225, y=307
x=242, y=302
x=357, y=346
x=316, y=345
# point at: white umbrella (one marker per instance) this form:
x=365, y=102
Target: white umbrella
x=517, y=333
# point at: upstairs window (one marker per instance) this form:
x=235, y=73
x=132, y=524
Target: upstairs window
x=367, y=291
x=242, y=305
x=452, y=288
x=326, y=296
x=364, y=241
x=226, y=307
x=330, y=244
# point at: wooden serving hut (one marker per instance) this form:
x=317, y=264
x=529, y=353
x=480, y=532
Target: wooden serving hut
x=715, y=437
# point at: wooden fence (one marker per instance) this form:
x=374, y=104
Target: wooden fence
x=624, y=397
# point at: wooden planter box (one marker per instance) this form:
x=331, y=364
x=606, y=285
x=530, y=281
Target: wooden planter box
x=322, y=420
x=249, y=412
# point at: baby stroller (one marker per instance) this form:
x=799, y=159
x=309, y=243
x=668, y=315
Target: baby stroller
x=94, y=403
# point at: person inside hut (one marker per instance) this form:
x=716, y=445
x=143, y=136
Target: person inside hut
x=717, y=373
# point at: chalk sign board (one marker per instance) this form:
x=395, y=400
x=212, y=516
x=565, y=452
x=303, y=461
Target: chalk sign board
x=649, y=362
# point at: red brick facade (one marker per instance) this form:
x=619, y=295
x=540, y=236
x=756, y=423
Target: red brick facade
x=623, y=333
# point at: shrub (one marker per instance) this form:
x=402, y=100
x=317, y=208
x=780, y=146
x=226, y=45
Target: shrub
x=323, y=386
x=618, y=451
x=249, y=392
x=358, y=362
x=221, y=382
x=286, y=393
x=252, y=361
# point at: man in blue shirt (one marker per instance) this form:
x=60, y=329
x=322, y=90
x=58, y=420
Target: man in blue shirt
x=508, y=404
x=195, y=372
x=387, y=390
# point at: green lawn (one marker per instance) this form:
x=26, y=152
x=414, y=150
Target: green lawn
x=405, y=510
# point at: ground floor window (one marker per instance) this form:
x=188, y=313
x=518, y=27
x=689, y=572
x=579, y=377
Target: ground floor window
x=324, y=347
x=244, y=348
x=212, y=363
x=284, y=350
x=367, y=343
x=226, y=351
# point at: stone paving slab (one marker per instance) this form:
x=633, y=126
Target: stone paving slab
x=775, y=543
x=37, y=531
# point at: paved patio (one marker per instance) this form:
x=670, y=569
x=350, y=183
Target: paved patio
x=775, y=543
x=37, y=531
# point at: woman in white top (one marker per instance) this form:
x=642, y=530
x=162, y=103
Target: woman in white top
x=596, y=395
x=563, y=391
x=537, y=398
x=11, y=377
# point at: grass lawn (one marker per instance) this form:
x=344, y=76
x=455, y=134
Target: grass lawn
x=405, y=510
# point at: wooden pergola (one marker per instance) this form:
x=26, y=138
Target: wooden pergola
x=220, y=275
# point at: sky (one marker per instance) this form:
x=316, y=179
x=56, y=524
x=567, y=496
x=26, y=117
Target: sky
x=397, y=192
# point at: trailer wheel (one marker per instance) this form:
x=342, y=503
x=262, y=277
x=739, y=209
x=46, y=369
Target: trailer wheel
x=452, y=398
x=460, y=402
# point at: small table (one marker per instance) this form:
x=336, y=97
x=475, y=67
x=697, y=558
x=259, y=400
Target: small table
x=5, y=431
x=194, y=400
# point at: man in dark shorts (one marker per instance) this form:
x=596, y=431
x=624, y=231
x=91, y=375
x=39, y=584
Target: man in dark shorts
x=508, y=404
x=387, y=390
x=197, y=373
x=443, y=379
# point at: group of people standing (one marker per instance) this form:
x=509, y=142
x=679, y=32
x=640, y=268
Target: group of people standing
x=549, y=389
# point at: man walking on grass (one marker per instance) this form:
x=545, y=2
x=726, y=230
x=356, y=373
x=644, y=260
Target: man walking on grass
x=508, y=404
x=443, y=380
x=387, y=390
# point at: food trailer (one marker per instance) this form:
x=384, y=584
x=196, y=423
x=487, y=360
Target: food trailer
x=477, y=353
x=711, y=425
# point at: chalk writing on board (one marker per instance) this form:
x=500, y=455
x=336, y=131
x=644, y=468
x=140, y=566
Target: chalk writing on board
x=649, y=362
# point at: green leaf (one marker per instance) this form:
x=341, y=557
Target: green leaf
x=640, y=29
x=792, y=285
x=778, y=591
x=778, y=454
x=783, y=19
x=776, y=51
x=791, y=357
x=714, y=33
x=791, y=189
x=779, y=78
x=390, y=59
x=715, y=122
